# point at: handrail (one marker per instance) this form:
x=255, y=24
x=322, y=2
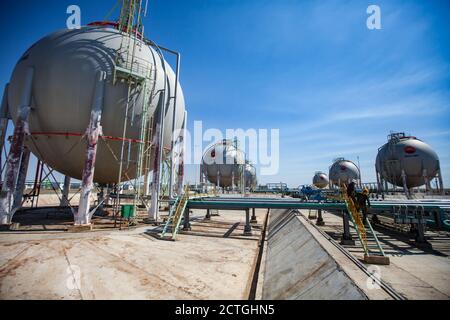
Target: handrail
x=179, y=213
x=176, y=214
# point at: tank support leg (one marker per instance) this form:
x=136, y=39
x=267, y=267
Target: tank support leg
x=346, y=235
x=20, y=188
x=208, y=214
x=201, y=175
x=101, y=197
x=146, y=185
x=94, y=130
x=180, y=181
x=427, y=181
x=107, y=196
x=232, y=181
x=15, y=153
x=405, y=186
x=65, y=194
x=3, y=121
x=379, y=184
x=218, y=181
x=441, y=184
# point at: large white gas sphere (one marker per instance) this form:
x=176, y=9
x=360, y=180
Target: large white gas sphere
x=320, y=180
x=409, y=155
x=342, y=172
x=222, y=163
x=66, y=65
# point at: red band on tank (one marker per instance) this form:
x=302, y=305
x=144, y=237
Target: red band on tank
x=71, y=134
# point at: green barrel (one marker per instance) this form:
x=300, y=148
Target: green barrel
x=127, y=211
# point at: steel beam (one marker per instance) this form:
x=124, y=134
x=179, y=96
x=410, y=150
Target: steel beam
x=83, y=215
x=4, y=119
x=15, y=153
x=153, y=213
x=65, y=194
x=175, y=100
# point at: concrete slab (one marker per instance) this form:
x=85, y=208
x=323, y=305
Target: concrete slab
x=126, y=265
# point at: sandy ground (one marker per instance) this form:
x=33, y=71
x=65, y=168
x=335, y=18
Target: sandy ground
x=131, y=264
x=416, y=273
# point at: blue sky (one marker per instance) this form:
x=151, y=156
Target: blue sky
x=309, y=68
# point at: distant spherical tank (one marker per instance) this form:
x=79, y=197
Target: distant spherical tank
x=320, y=180
x=250, y=176
x=66, y=65
x=221, y=163
x=410, y=155
x=343, y=172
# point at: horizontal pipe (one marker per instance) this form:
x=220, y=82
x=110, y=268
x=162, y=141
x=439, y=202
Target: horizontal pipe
x=217, y=204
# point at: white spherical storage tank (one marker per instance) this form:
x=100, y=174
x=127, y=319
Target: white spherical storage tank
x=222, y=163
x=408, y=156
x=66, y=66
x=342, y=172
x=320, y=180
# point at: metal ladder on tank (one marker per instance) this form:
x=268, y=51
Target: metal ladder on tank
x=358, y=223
x=175, y=217
x=139, y=75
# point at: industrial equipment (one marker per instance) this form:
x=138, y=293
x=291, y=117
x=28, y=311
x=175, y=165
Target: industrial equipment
x=407, y=162
x=223, y=164
x=343, y=172
x=66, y=65
x=99, y=104
x=320, y=180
